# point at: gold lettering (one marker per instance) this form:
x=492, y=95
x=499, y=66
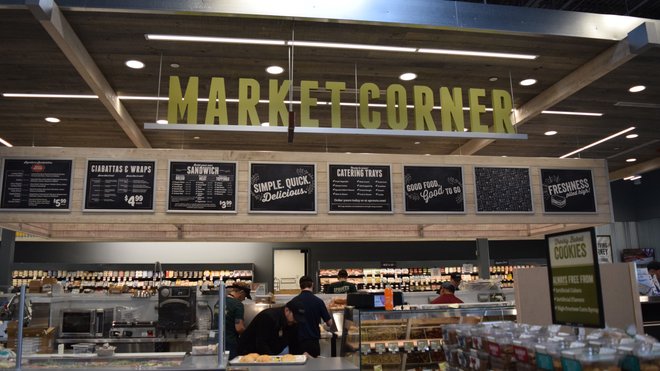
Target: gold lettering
x=248, y=97
x=179, y=104
x=423, y=97
x=276, y=107
x=369, y=121
x=335, y=101
x=452, y=108
x=397, y=110
x=476, y=110
x=502, y=104
x=217, y=106
x=306, y=101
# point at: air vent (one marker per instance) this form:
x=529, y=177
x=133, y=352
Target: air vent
x=638, y=105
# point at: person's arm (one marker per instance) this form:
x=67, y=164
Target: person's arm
x=353, y=288
x=239, y=325
x=326, y=317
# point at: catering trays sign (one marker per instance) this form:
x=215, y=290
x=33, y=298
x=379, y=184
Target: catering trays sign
x=360, y=189
x=568, y=191
x=36, y=184
x=433, y=189
x=282, y=188
x=199, y=186
x=503, y=190
x=119, y=185
x=574, y=278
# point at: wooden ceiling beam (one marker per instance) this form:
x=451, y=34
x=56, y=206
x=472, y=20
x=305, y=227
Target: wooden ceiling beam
x=51, y=18
x=642, y=167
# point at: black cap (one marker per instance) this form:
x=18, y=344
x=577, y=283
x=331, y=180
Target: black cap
x=298, y=309
x=448, y=286
x=243, y=287
x=342, y=273
x=455, y=276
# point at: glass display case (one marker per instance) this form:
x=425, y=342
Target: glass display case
x=409, y=339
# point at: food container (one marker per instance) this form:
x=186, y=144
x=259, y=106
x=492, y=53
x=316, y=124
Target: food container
x=83, y=348
x=479, y=361
x=451, y=354
x=501, y=346
x=586, y=359
x=105, y=351
x=502, y=364
x=525, y=353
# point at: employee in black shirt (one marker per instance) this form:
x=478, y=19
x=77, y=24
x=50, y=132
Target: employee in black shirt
x=315, y=312
x=342, y=286
x=273, y=330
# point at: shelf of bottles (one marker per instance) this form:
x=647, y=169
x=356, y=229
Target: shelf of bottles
x=504, y=273
x=403, y=279
x=106, y=280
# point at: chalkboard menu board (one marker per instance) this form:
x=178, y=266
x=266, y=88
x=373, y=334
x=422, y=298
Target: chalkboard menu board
x=202, y=186
x=119, y=185
x=568, y=191
x=36, y=184
x=360, y=188
x=433, y=189
x=282, y=188
x=503, y=190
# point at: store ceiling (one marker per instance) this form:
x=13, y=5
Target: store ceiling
x=35, y=62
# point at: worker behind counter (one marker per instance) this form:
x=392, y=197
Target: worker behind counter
x=274, y=330
x=447, y=295
x=316, y=312
x=342, y=286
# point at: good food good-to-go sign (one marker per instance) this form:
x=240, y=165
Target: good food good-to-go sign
x=36, y=184
x=119, y=185
x=282, y=188
x=574, y=277
x=433, y=189
x=496, y=103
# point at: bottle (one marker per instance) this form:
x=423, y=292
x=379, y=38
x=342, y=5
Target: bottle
x=389, y=298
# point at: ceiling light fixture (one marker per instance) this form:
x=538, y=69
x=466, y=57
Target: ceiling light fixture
x=599, y=142
x=134, y=64
x=632, y=136
x=195, y=138
x=162, y=122
x=5, y=143
x=550, y=132
x=208, y=39
x=408, y=76
x=637, y=88
x=572, y=113
x=53, y=120
x=477, y=54
x=631, y=160
x=493, y=78
x=175, y=65
x=28, y=95
x=527, y=82
x=418, y=142
x=265, y=124
x=636, y=177
x=318, y=44
x=274, y=70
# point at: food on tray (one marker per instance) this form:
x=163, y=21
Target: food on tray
x=264, y=359
x=289, y=358
x=252, y=357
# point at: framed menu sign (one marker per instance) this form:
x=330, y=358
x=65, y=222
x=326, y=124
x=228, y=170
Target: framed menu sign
x=503, y=190
x=282, y=188
x=359, y=189
x=568, y=191
x=574, y=277
x=36, y=184
x=199, y=186
x=433, y=189
x=119, y=185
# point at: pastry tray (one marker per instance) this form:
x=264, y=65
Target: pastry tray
x=275, y=360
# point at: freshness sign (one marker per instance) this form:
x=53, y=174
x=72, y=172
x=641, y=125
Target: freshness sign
x=36, y=184
x=119, y=185
x=288, y=188
x=574, y=278
x=568, y=191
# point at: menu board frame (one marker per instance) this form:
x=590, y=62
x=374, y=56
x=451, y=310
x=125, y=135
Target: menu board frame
x=357, y=210
x=543, y=191
x=476, y=196
x=53, y=209
x=117, y=210
x=580, y=263
x=251, y=208
x=405, y=192
x=206, y=162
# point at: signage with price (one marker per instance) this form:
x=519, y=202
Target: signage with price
x=36, y=184
x=119, y=185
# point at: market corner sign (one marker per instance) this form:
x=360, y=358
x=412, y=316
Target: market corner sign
x=183, y=108
x=574, y=277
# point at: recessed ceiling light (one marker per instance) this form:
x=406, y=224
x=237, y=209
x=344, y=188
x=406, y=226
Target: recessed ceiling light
x=465, y=129
x=5, y=143
x=53, y=120
x=175, y=65
x=265, y=124
x=632, y=136
x=550, y=132
x=135, y=64
x=637, y=88
x=348, y=153
x=528, y=82
x=492, y=78
x=195, y=138
x=274, y=70
x=427, y=154
x=408, y=76
x=162, y=122
x=504, y=156
x=418, y=142
x=631, y=160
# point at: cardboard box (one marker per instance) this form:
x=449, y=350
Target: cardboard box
x=44, y=337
